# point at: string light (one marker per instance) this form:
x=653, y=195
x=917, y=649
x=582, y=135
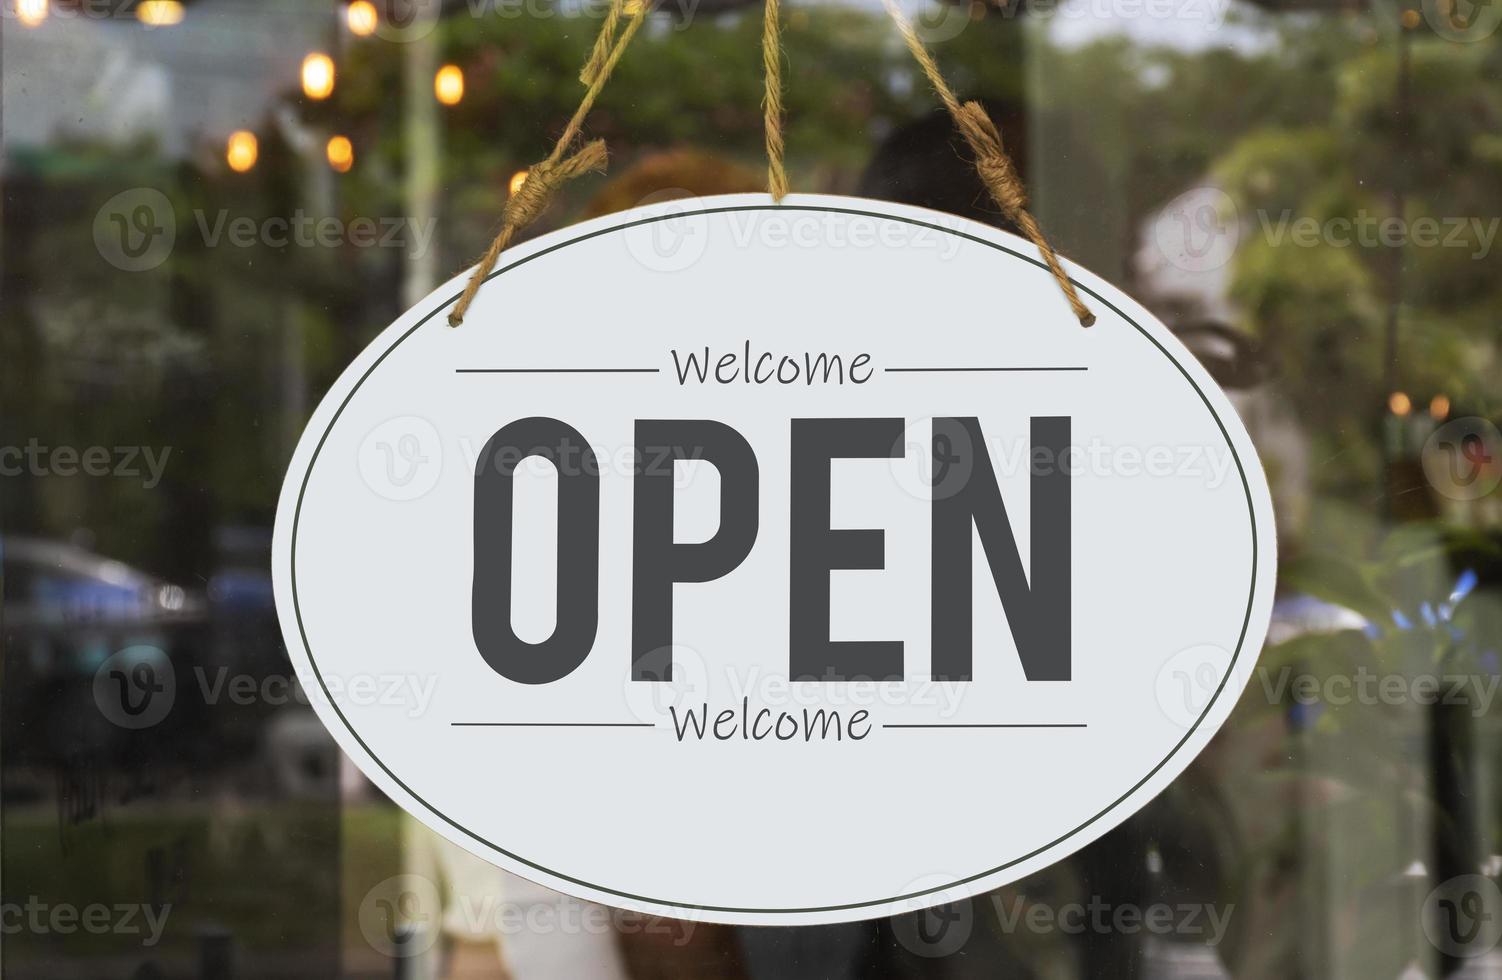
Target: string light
x=1439, y=407
x=517, y=180
x=318, y=75
x=159, y=13
x=1399, y=403
x=241, y=151
x=448, y=85
x=361, y=18
x=31, y=13
x=341, y=153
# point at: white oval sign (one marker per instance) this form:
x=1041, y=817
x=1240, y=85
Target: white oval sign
x=774, y=564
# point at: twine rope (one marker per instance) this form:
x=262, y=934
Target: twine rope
x=537, y=190
x=771, y=59
x=564, y=163
x=604, y=41
x=992, y=162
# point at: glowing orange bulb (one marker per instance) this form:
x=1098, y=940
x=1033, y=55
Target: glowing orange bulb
x=159, y=13
x=1399, y=403
x=448, y=85
x=341, y=153
x=1439, y=407
x=242, y=150
x=517, y=180
x=361, y=18
x=31, y=13
x=318, y=75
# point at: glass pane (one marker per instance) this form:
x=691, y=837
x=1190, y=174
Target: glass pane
x=211, y=207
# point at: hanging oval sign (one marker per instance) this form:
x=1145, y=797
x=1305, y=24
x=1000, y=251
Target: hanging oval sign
x=774, y=564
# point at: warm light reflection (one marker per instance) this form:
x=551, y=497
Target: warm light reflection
x=31, y=12
x=517, y=180
x=448, y=85
x=1399, y=403
x=361, y=17
x=159, y=13
x=318, y=75
x=1439, y=407
x=241, y=151
x=341, y=153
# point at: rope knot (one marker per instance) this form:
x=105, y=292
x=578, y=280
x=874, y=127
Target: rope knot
x=992, y=163
x=1000, y=177
x=530, y=200
x=542, y=182
x=544, y=179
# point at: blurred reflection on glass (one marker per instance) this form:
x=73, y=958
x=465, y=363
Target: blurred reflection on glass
x=1307, y=193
